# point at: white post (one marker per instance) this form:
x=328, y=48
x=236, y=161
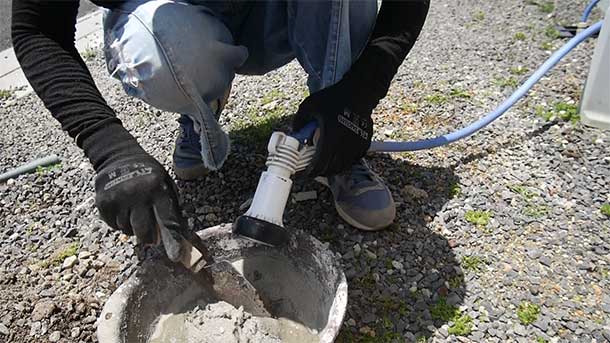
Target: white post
x=595, y=102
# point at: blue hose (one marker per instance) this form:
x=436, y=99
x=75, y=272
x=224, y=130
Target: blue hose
x=587, y=12
x=500, y=110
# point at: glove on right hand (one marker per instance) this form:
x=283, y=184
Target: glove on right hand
x=137, y=196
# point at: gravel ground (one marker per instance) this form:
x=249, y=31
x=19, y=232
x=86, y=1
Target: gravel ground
x=498, y=238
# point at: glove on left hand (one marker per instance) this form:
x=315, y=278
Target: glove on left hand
x=346, y=128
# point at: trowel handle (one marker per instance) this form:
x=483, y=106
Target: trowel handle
x=306, y=133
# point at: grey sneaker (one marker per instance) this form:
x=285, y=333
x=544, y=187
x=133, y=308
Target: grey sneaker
x=361, y=198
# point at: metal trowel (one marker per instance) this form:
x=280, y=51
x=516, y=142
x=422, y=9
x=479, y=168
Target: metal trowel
x=218, y=276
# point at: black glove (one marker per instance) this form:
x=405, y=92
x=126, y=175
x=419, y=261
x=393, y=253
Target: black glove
x=343, y=111
x=137, y=196
x=345, y=128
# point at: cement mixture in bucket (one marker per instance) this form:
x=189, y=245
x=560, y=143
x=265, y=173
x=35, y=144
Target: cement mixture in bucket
x=221, y=322
x=301, y=284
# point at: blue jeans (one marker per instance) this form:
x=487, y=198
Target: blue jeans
x=181, y=56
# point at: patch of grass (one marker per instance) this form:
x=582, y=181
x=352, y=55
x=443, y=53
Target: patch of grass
x=455, y=190
x=551, y=32
x=472, y=263
x=89, y=54
x=367, y=281
x=561, y=110
x=518, y=70
x=443, y=311
x=273, y=95
x=535, y=211
x=567, y=112
x=456, y=281
x=523, y=191
x=506, y=82
x=528, y=312
x=543, y=6
x=541, y=340
x=519, y=36
x=436, y=99
x=40, y=170
x=5, y=94
x=462, y=326
x=391, y=304
x=59, y=256
x=409, y=107
x=605, y=210
x=256, y=129
x=408, y=155
x=460, y=93
x=547, y=46
x=478, y=217
x=478, y=16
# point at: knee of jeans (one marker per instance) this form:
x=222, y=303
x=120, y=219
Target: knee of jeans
x=172, y=66
x=150, y=79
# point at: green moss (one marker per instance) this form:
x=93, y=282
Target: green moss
x=273, y=95
x=523, y=191
x=504, y=82
x=535, y=210
x=561, y=110
x=478, y=16
x=455, y=190
x=477, y=217
x=567, y=112
x=460, y=93
x=409, y=107
x=462, y=326
x=5, y=94
x=40, y=170
x=89, y=54
x=390, y=304
x=256, y=129
x=472, y=263
x=547, y=46
x=443, y=311
x=551, y=32
x=605, y=210
x=59, y=256
x=541, y=340
x=528, y=312
x=543, y=6
x=519, y=36
x=456, y=281
x=436, y=99
x=518, y=70
x=367, y=281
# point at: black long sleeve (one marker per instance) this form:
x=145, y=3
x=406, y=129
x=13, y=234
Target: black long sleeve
x=43, y=34
x=398, y=25
x=43, y=38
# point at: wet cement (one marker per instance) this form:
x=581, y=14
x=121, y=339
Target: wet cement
x=296, y=284
x=221, y=322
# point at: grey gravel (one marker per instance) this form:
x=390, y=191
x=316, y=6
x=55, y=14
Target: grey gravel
x=542, y=181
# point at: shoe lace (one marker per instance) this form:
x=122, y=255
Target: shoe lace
x=359, y=172
x=187, y=131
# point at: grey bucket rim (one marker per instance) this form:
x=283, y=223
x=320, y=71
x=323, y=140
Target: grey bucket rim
x=110, y=320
